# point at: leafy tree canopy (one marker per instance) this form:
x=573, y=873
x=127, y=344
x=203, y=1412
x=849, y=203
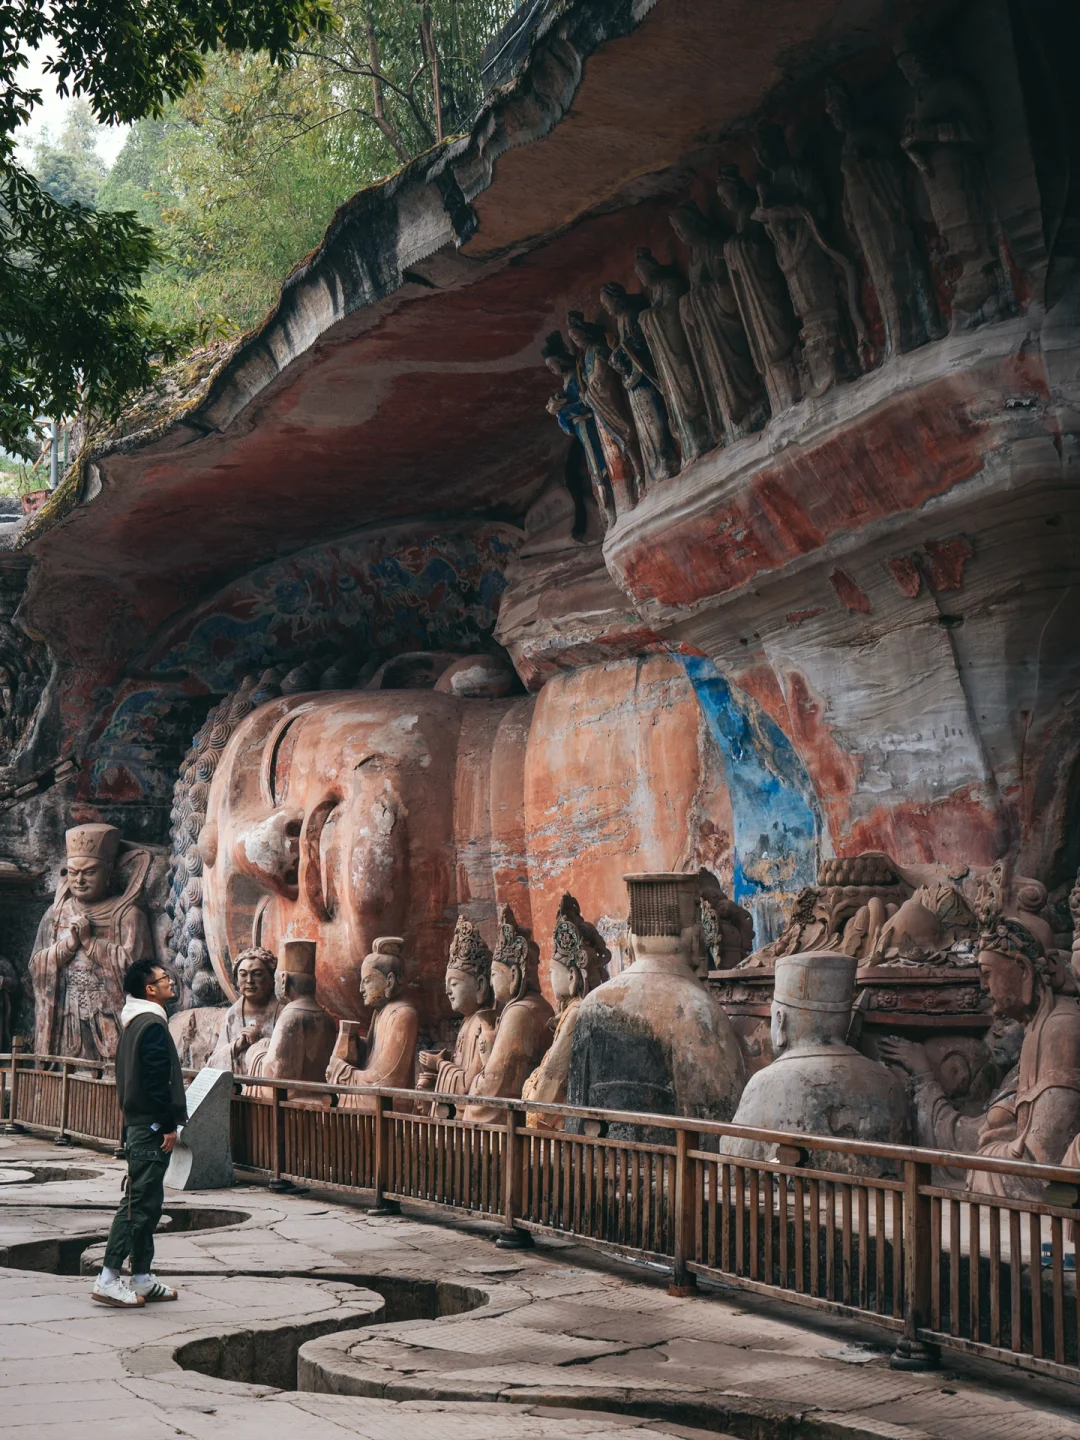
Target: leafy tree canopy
x=75, y=327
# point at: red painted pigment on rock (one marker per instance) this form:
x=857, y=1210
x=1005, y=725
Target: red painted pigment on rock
x=850, y=593
x=905, y=571
x=961, y=829
x=945, y=562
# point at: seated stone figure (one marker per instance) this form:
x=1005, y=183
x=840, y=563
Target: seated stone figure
x=578, y=954
x=303, y=1034
x=389, y=1049
x=654, y=1038
x=1036, y=1112
x=468, y=988
x=244, y=1037
x=818, y=1084
x=522, y=1030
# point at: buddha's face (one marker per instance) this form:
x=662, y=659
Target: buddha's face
x=330, y=818
x=88, y=878
x=565, y=983
x=463, y=992
x=505, y=980
x=255, y=980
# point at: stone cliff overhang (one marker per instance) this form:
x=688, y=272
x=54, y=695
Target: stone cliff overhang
x=400, y=373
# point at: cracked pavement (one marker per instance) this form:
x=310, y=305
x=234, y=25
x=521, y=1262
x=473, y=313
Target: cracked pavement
x=561, y=1343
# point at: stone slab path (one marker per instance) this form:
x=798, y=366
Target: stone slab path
x=401, y=1327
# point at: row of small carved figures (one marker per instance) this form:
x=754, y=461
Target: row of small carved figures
x=771, y=310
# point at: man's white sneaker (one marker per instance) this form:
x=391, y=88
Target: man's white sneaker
x=115, y=1292
x=153, y=1289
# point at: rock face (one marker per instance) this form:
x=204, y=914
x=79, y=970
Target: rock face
x=202, y=1158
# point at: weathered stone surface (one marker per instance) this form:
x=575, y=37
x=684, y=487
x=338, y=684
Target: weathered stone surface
x=202, y=1157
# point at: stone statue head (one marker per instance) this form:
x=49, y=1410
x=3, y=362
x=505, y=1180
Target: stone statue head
x=689, y=223
x=254, y=974
x=556, y=356
x=646, y=266
x=576, y=959
x=513, y=961
x=382, y=973
x=91, y=856
x=295, y=976
x=1013, y=968
x=838, y=105
x=615, y=299
x=582, y=332
x=812, y=998
x=468, y=970
x=914, y=60
x=771, y=147
x=665, y=919
x=735, y=194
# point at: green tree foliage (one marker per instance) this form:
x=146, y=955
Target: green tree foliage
x=241, y=175
x=71, y=169
x=75, y=327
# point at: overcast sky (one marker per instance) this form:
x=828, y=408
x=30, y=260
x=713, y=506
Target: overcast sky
x=52, y=111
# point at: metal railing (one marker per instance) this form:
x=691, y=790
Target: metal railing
x=937, y=1266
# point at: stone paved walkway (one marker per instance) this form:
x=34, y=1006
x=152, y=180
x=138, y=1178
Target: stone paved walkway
x=407, y=1328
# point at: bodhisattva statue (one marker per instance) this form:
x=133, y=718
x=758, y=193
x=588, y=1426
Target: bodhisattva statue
x=468, y=988
x=655, y=1038
x=730, y=383
x=249, y=1022
x=876, y=213
x=662, y=325
x=818, y=1084
x=522, y=1027
x=604, y=393
x=87, y=938
x=791, y=206
x=632, y=360
x=1036, y=1112
x=945, y=137
x=387, y=1054
x=576, y=419
x=302, y=1039
x=762, y=295
x=578, y=955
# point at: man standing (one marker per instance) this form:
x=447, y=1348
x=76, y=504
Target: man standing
x=150, y=1088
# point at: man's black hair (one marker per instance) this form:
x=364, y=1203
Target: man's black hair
x=138, y=975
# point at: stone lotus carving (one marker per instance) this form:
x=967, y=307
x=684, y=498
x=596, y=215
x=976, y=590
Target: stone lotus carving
x=876, y=213
x=578, y=955
x=654, y=1038
x=818, y=1084
x=945, y=137
x=761, y=293
x=792, y=208
x=1036, y=1112
x=468, y=988
x=87, y=938
x=632, y=361
x=522, y=1027
x=386, y=1054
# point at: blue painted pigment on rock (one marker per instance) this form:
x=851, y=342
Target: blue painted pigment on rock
x=777, y=824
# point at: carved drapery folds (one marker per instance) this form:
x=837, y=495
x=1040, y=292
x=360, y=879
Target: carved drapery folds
x=810, y=267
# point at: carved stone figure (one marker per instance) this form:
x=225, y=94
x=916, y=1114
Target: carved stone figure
x=727, y=929
x=654, y=1038
x=468, y=988
x=662, y=325
x=302, y=1039
x=791, y=205
x=730, y=383
x=631, y=359
x=762, y=295
x=1036, y=1112
x=576, y=419
x=389, y=1048
x=876, y=213
x=818, y=1084
x=10, y=989
x=945, y=136
x=87, y=938
x=605, y=395
x=249, y=1023
x=522, y=1029
x=578, y=955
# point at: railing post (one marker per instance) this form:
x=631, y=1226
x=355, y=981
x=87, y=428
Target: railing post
x=13, y=1127
x=277, y=1141
x=63, y=1138
x=512, y=1238
x=382, y=1205
x=683, y=1282
x=919, y=1259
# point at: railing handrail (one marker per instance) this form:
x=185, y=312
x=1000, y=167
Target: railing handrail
x=947, y=1159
